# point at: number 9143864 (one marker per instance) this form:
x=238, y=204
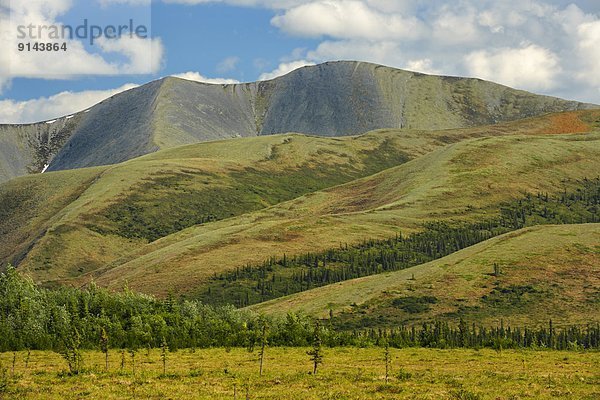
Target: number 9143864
x=42, y=46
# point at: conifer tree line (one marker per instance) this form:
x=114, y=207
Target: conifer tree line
x=67, y=320
x=442, y=335
x=277, y=277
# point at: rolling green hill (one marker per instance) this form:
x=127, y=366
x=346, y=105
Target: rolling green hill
x=62, y=224
x=170, y=220
x=331, y=99
x=545, y=272
x=462, y=181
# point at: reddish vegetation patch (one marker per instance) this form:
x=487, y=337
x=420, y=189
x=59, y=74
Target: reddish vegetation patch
x=566, y=123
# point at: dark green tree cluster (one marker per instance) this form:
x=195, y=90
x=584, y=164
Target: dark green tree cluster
x=277, y=277
x=35, y=318
x=68, y=320
x=443, y=335
x=579, y=206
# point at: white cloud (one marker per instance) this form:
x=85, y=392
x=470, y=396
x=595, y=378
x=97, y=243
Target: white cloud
x=530, y=67
x=196, y=76
x=488, y=19
x=144, y=56
x=61, y=104
x=345, y=19
x=456, y=26
x=424, y=66
x=284, y=68
x=589, y=51
x=228, y=64
x=49, y=9
x=393, y=6
x=133, y=55
x=275, y=4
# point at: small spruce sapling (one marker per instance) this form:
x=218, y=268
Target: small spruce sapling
x=263, y=345
x=71, y=351
x=497, y=270
x=316, y=353
x=27, y=357
x=164, y=349
x=122, y=360
x=388, y=360
x=104, y=347
x=132, y=355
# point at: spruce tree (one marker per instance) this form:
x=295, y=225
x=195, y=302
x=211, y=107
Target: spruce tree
x=316, y=353
x=388, y=360
x=164, y=348
x=263, y=345
x=104, y=347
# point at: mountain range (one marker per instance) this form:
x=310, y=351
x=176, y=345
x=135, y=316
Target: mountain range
x=332, y=99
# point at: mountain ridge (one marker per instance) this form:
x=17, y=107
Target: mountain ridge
x=331, y=99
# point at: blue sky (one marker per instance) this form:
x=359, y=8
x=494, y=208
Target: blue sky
x=545, y=46
x=196, y=38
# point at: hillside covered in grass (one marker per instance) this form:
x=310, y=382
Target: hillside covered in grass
x=277, y=277
x=68, y=222
x=521, y=278
x=466, y=181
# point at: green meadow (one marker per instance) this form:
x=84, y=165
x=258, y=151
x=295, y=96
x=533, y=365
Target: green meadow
x=346, y=373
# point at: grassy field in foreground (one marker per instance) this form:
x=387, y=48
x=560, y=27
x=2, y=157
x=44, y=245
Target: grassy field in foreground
x=347, y=373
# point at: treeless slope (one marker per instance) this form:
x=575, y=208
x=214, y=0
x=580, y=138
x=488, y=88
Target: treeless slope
x=546, y=272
